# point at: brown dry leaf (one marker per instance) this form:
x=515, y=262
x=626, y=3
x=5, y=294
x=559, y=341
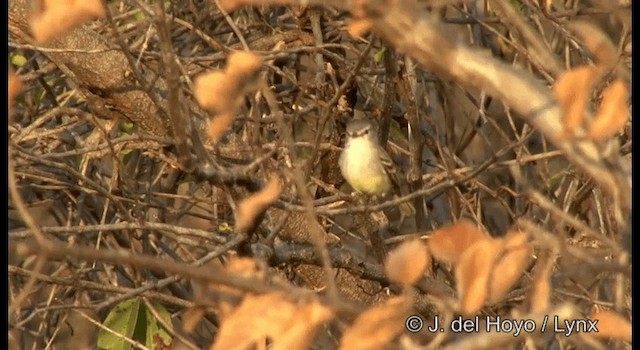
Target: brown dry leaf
x=243, y=65
x=597, y=42
x=541, y=295
x=219, y=125
x=408, y=262
x=252, y=207
x=357, y=28
x=246, y=267
x=611, y=325
x=299, y=332
x=226, y=298
x=541, y=289
x=288, y=325
x=613, y=113
x=447, y=244
x=573, y=90
x=222, y=91
x=15, y=85
x=510, y=266
x=191, y=317
x=473, y=272
x=377, y=326
x=214, y=90
x=57, y=17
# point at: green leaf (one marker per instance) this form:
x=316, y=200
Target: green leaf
x=139, y=16
x=155, y=332
x=125, y=152
x=379, y=56
x=17, y=60
x=132, y=319
x=122, y=320
x=224, y=228
x=126, y=126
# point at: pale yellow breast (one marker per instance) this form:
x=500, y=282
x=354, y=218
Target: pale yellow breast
x=363, y=170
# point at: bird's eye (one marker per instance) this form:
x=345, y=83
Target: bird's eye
x=366, y=131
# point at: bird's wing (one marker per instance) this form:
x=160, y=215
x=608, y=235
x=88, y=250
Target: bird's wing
x=387, y=162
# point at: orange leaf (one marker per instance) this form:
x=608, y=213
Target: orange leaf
x=191, y=317
x=252, y=207
x=473, y=272
x=407, y=263
x=612, y=325
x=597, y=42
x=541, y=287
x=377, y=326
x=222, y=91
x=243, y=65
x=447, y=244
x=60, y=16
x=357, y=28
x=510, y=266
x=225, y=298
x=15, y=85
x=613, y=113
x=219, y=125
x=288, y=325
x=573, y=90
x=214, y=90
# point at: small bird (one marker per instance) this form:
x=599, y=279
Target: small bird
x=367, y=167
x=364, y=163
